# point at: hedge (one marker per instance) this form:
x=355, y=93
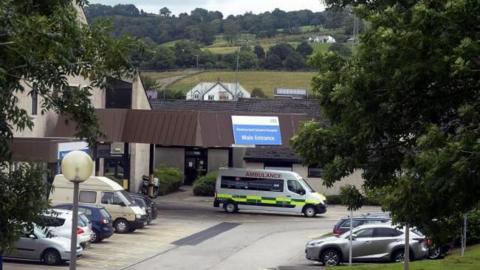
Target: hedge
x=170, y=179
x=205, y=185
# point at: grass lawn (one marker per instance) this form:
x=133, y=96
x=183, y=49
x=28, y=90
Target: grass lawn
x=266, y=80
x=471, y=261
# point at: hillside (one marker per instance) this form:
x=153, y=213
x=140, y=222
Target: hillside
x=265, y=80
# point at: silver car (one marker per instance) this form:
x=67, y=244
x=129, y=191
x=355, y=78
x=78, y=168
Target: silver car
x=40, y=245
x=372, y=242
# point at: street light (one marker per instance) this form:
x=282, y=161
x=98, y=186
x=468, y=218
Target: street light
x=77, y=167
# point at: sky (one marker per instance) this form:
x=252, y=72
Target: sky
x=227, y=7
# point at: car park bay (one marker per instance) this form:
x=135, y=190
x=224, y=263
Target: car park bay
x=190, y=234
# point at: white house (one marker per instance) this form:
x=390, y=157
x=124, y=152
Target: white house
x=322, y=39
x=215, y=91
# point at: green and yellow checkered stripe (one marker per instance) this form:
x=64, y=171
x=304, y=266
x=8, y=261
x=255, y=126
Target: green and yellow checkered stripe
x=273, y=201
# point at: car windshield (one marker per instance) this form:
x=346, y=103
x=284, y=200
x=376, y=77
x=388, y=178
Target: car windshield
x=308, y=185
x=125, y=197
x=140, y=202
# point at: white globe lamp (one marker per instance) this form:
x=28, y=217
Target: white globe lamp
x=77, y=166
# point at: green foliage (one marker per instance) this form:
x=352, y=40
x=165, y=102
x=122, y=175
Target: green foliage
x=305, y=49
x=23, y=194
x=351, y=197
x=258, y=93
x=205, y=185
x=171, y=179
x=404, y=109
x=42, y=44
x=341, y=49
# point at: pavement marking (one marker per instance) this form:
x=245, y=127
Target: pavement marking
x=206, y=234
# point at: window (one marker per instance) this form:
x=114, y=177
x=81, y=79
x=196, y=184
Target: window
x=87, y=212
x=386, y=232
x=315, y=172
x=279, y=166
x=364, y=233
x=356, y=223
x=87, y=196
x=272, y=185
x=223, y=95
x=196, y=95
x=295, y=187
x=211, y=97
x=52, y=221
x=111, y=198
x=34, y=102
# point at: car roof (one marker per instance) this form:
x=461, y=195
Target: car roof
x=377, y=225
x=91, y=206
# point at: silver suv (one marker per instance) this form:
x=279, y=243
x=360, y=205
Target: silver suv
x=372, y=242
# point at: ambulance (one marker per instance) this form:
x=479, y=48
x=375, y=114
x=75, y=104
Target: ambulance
x=266, y=190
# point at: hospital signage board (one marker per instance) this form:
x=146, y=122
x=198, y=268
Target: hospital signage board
x=256, y=130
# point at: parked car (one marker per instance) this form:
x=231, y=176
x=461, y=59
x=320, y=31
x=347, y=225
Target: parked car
x=99, y=217
x=147, y=204
x=59, y=223
x=98, y=190
x=39, y=245
x=372, y=242
x=343, y=225
x=153, y=207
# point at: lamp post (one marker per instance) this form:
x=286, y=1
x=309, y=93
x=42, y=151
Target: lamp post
x=77, y=167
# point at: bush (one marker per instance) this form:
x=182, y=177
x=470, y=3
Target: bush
x=334, y=199
x=170, y=179
x=205, y=185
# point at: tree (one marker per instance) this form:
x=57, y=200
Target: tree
x=231, y=31
x=273, y=62
x=282, y=50
x=259, y=51
x=165, y=12
x=404, y=109
x=41, y=44
x=258, y=93
x=305, y=49
x=294, y=61
x=341, y=50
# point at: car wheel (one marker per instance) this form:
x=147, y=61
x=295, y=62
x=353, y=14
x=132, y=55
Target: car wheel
x=399, y=255
x=330, y=257
x=51, y=257
x=230, y=207
x=435, y=253
x=310, y=211
x=121, y=226
x=94, y=238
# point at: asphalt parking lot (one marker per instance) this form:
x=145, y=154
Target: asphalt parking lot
x=191, y=234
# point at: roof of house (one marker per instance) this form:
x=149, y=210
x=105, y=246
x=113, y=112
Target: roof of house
x=204, y=87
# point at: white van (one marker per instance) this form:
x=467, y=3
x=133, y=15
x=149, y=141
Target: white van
x=97, y=190
x=266, y=190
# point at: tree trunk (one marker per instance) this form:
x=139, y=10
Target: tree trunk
x=406, y=259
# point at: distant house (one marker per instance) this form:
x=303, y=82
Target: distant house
x=290, y=93
x=322, y=39
x=215, y=91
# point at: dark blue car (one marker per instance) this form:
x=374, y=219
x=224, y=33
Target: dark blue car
x=101, y=220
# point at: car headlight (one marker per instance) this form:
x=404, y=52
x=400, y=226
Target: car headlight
x=314, y=243
x=138, y=216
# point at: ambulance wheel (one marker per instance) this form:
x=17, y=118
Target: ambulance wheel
x=309, y=211
x=230, y=207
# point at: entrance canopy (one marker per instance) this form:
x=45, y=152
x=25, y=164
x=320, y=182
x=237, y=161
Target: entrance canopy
x=177, y=128
x=43, y=149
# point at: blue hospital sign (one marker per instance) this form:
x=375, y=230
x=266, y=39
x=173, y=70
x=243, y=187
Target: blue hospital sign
x=256, y=130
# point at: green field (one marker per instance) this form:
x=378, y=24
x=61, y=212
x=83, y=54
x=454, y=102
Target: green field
x=471, y=261
x=163, y=75
x=266, y=80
